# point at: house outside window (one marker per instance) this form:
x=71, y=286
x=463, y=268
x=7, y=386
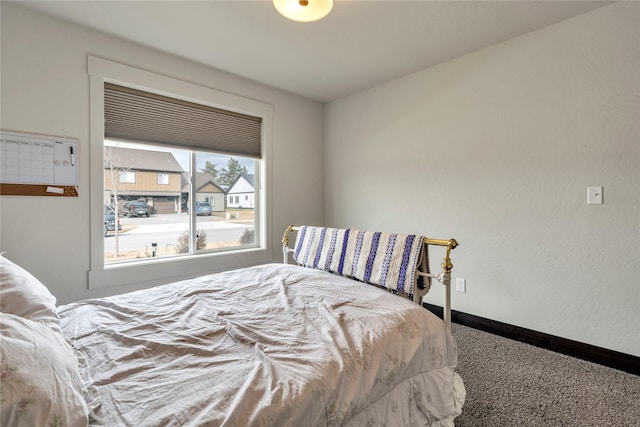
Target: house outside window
x=147, y=165
x=241, y=194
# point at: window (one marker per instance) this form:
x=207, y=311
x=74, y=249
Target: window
x=172, y=175
x=163, y=179
x=126, y=177
x=168, y=233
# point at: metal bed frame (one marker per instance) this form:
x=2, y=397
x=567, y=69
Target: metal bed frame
x=424, y=270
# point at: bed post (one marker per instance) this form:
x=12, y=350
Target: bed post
x=285, y=243
x=446, y=314
x=445, y=276
x=447, y=266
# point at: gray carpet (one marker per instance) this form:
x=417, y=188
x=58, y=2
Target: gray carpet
x=514, y=384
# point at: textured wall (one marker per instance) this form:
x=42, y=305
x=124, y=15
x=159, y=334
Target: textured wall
x=496, y=149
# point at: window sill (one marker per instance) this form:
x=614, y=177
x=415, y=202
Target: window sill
x=174, y=269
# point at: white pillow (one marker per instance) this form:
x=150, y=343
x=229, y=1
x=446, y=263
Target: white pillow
x=41, y=383
x=25, y=296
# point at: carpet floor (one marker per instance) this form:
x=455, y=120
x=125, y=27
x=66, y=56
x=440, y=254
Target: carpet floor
x=510, y=383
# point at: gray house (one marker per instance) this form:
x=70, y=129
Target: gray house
x=207, y=190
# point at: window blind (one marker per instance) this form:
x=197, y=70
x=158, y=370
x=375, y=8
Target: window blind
x=135, y=115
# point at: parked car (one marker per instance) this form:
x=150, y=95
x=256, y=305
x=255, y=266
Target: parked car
x=136, y=208
x=110, y=220
x=203, y=208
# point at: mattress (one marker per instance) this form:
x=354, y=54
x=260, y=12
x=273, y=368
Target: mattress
x=272, y=345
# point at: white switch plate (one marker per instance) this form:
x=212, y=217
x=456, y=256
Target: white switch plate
x=461, y=285
x=594, y=195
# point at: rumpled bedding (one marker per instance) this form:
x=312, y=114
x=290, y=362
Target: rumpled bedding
x=273, y=345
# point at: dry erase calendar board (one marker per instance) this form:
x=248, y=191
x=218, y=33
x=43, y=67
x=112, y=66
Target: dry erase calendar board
x=38, y=165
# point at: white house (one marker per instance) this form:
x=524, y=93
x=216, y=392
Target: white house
x=242, y=193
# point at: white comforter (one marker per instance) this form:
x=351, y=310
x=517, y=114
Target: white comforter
x=274, y=345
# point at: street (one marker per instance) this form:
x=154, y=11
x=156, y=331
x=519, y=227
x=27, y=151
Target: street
x=138, y=234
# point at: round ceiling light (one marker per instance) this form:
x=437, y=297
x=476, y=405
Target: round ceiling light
x=304, y=10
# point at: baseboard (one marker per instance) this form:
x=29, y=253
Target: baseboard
x=602, y=356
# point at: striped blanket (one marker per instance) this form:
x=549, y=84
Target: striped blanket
x=384, y=259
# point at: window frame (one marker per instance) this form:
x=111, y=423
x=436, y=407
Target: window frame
x=126, y=174
x=165, y=177
x=163, y=270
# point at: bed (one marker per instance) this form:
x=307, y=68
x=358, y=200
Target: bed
x=334, y=339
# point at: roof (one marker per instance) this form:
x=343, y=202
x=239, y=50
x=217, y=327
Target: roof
x=249, y=177
x=240, y=188
x=150, y=160
x=202, y=179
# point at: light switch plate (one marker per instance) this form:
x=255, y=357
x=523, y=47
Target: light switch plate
x=594, y=195
x=461, y=285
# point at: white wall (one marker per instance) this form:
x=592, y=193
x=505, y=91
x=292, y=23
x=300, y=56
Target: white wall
x=496, y=149
x=45, y=89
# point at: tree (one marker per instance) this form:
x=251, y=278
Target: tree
x=211, y=169
x=111, y=183
x=229, y=174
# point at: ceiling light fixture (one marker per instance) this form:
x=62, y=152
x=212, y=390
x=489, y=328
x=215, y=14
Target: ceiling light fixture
x=303, y=10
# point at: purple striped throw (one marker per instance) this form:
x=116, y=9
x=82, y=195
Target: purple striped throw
x=384, y=259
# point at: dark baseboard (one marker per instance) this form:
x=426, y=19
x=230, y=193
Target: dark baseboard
x=602, y=356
